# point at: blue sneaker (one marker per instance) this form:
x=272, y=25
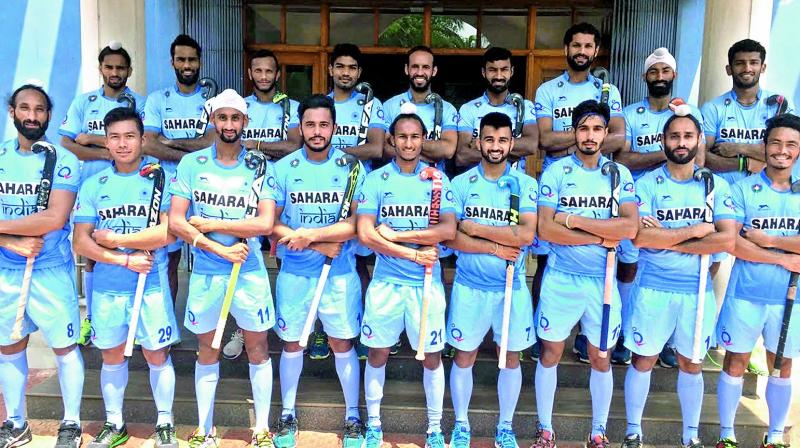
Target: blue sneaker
x=362, y=351
x=353, y=436
x=620, y=355
x=374, y=437
x=319, y=349
x=667, y=359
x=505, y=438
x=434, y=440
x=286, y=435
x=581, y=348
x=460, y=436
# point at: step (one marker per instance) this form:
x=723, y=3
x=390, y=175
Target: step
x=320, y=405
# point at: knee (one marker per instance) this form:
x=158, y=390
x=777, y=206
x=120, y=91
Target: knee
x=339, y=345
x=432, y=361
x=378, y=357
x=64, y=351
x=156, y=357
x=465, y=359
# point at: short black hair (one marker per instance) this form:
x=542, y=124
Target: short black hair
x=317, y=101
x=264, y=53
x=185, y=40
x=12, y=100
x=106, y=51
x=496, y=120
x=414, y=117
x=582, y=28
x=423, y=48
x=346, y=50
x=590, y=107
x=123, y=114
x=747, y=46
x=691, y=117
x=782, y=121
x=496, y=54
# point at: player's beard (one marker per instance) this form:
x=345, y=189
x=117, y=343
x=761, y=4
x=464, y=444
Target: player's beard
x=226, y=139
x=317, y=147
x=670, y=154
x=739, y=84
x=659, y=89
x=347, y=85
x=32, y=134
x=423, y=88
x=187, y=80
x=269, y=89
x=573, y=64
x=118, y=85
x=588, y=151
x=496, y=89
x=486, y=157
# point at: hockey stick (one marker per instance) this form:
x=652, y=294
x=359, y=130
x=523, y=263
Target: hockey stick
x=42, y=199
x=605, y=89
x=257, y=162
x=436, y=100
x=366, y=112
x=283, y=99
x=435, y=176
x=154, y=172
x=791, y=294
x=127, y=100
x=211, y=91
x=350, y=161
x=512, y=184
x=703, y=175
x=611, y=170
x=780, y=101
x=518, y=102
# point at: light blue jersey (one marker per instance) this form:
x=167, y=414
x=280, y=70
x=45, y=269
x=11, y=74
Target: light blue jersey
x=776, y=213
x=266, y=120
x=216, y=191
x=567, y=186
x=120, y=202
x=676, y=204
x=426, y=112
x=556, y=98
x=174, y=115
x=644, y=128
x=402, y=201
x=311, y=195
x=85, y=116
x=348, y=121
x=471, y=113
x=20, y=174
x=483, y=201
x=727, y=120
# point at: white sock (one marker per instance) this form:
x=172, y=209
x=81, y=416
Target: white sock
x=374, y=377
x=779, y=402
x=113, y=380
x=70, y=378
x=88, y=286
x=162, y=382
x=637, y=387
x=509, y=384
x=349, y=376
x=261, y=384
x=601, y=385
x=290, y=369
x=461, y=392
x=14, y=372
x=545, y=387
x=206, y=378
x=729, y=391
x=433, y=382
x=690, y=394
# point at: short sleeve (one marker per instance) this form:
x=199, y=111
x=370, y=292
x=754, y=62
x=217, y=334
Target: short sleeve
x=152, y=113
x=737, y=196
x=530, y=113
x=466, y=118
x=459, y=193
x=448, y=197
x=724, y=206
x=710, y=119
x=450, y=117
x=85, y=208
x=378, y=119
x=294, y=118
x=181, y=184
x=67, y=174
x=267, y=192
x=72, y=124
x=628, y=191
x=548, y=187
x=644, y=196
x=528, y=195
x=166, y=199
x=277, y=181
x=544, y=102
x=368, y=197
x=615, y=102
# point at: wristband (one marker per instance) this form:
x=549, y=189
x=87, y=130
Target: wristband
x=566, y=221
x=416, y=252
x=258, y=146
x=194, y=241
x=742, y=162
x=127, y=259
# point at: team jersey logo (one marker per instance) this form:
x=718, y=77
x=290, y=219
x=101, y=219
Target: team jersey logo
x=65, y=172
x=562, y=112
x=95, y=126
x=456, y=334
x=181, y=124
x=741, y=134
x=202, y=159
x=385, y=175
x=775, y=223
x=487, y=213
x=123, y=211
x=756, y=188
x=682, y=213
x=294, y=163
x=567, y=169
x=346, y=130
x=544, y=323
x=638, y=339
x=262, y=134
x=659, y=179
x=585, y=201
x=19, y=188
x=647, y=140
x=473, y=178
x=628, y=187
x=366, y=330
x=404, y=211
x=547, y=191
x=726, y=337
x=219, y=199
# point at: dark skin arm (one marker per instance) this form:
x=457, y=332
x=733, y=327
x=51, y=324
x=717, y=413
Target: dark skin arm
x=369, y=236
x=444, y=230
x=515, y=236
x=279, y=149
x=372, y=149
x=91, y=147
x=467, y=153
x=44, y=222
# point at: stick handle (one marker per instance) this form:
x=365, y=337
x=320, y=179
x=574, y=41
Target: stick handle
x=22, y=303
x=698, y=319
x=791, y=293
x=312, y=310
x=423, y=321
x=501, y=360
x=137, y=307
x=608, y=285
x=226, y=306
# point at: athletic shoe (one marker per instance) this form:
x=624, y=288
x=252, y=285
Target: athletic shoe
x=110, y=436
x=165, y=436
x=373, y=437
x=581, y=348
x=69, y=435
x=544, y=439
x=460, y=436
x=233, y=349
x=262, y=439
x=620, y=355
x=667, y=359
x=434, y=439
x=353, y=434
x=536, y=350
x=727, y=443
x=395, y=348
x=632, y=441
x=598, y=441
x=362, y=351
x=319, y=349
x=85, y=336
x=505, y=438
x=765, y=444
x=693, y=443
x=448, y=351
x=286, y=435
x=197, y=440
x=11, y=437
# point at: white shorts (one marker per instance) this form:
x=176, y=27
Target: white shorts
x=339, y=307
x=111, y=314
x=474, y=311
x=627, y=252
x=391, y=308
x=251, y=305
x=656, y=316
x=567, y=299
x=741, y=322
x=52, y=305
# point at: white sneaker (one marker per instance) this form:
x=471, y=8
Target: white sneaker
x=234, y=347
